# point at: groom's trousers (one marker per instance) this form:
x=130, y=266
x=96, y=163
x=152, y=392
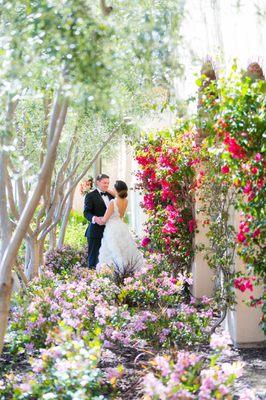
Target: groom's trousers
x=94, y=245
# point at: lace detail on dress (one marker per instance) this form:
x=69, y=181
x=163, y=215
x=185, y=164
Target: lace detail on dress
x=116, y=211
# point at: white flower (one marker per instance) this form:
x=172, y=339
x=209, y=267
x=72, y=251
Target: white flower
x=48, y=396
x=25, y=387
x=235, y=368
x=37, y=365
x=220, y=342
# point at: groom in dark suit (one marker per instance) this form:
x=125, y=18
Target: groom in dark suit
x=96, y=203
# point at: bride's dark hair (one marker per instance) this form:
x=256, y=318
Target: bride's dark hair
x=121, y=189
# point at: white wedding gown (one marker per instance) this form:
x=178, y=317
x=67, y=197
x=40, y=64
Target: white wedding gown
x=118, y=248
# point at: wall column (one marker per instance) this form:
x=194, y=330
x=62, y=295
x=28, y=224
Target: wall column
x=203, y=275
x=243, y=320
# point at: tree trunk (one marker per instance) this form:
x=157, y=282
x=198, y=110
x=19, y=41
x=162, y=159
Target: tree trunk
x=4, y=218
x=27, y=255
x=16, y=287
x=5, y=295
x=35, y=248
x=11, y=252
x=33, y=267
x=41, y=252
x=52, y=239
x=21, y=274
x=63, y=228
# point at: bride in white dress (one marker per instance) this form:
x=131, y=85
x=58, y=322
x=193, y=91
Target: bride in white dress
x=118, y=248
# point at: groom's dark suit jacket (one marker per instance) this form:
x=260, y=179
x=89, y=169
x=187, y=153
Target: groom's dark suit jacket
x=94, y=206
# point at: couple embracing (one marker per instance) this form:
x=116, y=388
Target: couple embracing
x=110, y=242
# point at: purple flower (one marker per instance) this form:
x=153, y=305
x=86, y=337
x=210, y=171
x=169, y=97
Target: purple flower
x=154, y=387
x=163, y=365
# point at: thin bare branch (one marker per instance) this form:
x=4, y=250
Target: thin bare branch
x=78, y=179
x=67, y=160
x=22, y=197
x=74, y=170
x=53, y=126
x=20, y=272
x=10, y=194
x=58, y=187
x=46, y=105
x=4, y=218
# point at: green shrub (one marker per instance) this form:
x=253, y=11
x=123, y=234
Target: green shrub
x=76, y=217
x=75, y=231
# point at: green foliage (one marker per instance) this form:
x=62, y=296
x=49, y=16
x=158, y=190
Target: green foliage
x=236, y=127
x=232, y=118
x=50, y=44
x=75, y=217
x=152, y=31
x=66, y=37
x=31, y=318
x=75, y=231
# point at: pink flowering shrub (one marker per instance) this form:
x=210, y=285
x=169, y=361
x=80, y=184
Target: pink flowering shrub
x=244, y=283
x=167, y=167
x=152, y=311
x=237, y=124
x=62, y=260
x=146, y=308
x=192, y=376
x=64, y=323
x=223, y=164
x=185, y=325
x=82, y=304
x=68, y=369
x=151, y=287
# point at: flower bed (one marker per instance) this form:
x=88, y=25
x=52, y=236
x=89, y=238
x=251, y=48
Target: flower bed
x=66, y=322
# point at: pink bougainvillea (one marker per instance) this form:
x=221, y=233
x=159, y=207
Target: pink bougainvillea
x=166, y=178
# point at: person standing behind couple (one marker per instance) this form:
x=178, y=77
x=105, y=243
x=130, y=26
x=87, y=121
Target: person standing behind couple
x=96, y=203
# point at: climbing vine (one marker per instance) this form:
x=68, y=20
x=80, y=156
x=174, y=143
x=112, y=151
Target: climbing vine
x=217, y=156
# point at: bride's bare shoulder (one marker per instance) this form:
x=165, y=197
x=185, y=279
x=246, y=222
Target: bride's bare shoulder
x=124, y=202
x=122, y=206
